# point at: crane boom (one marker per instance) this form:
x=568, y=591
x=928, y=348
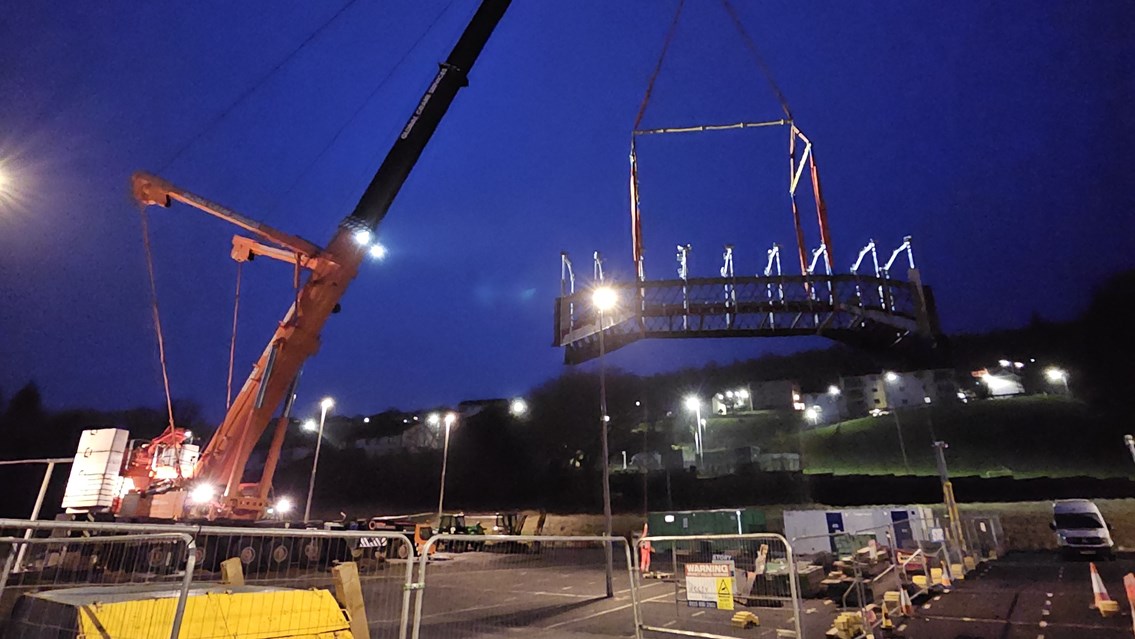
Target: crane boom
x=451, y=76
x=222, y=464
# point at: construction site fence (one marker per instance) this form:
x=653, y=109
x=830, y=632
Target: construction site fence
x=511, y=582
x=701, y=585
x=878, y=560
x=984, y=535
x=913, y=568
x=51, y=565
x=222, y=581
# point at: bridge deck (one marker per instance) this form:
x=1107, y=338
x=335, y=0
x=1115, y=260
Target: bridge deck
x=866, y=311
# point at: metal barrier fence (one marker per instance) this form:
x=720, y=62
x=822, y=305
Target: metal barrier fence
x=68, y=577
x=540, y=583
x=276, y=581
x=984, y=535
x=712, y=577
x=874, y=570
x=54, y=563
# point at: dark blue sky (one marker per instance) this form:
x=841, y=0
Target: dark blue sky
x=1000, y=136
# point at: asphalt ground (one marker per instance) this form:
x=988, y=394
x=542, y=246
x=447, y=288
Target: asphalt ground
x=560, y=593
x=1025, y=596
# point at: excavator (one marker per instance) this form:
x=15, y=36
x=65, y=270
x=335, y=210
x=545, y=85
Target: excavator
x=170, y=479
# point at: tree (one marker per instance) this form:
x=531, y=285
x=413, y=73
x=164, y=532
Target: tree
x=23, y=421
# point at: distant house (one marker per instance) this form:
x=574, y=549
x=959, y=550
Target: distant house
x=861, y=394
x=775, y=395
x=1003, y=382
x=824, y=408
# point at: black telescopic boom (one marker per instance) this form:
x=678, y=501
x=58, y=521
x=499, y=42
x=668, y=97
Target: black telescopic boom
x=451, y=76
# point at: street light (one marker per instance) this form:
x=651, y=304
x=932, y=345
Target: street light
x=324, y=406
x=518, y=407
x=284, y=505
x=450, y=418
x=604, y=298
x=891, y=378
x=1054, y=375
x=310, y=426
x=812, y=414
x=833, y=390
x=693, y=403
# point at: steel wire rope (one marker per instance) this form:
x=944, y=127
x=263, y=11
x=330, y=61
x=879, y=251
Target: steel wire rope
x=658, y=65
x=303, y=173
x=366, y=174
x=232, y=342
x=354, y=115
x=216, y=120
x=156, y=314
x=176, y=156
x=255, y=86
x=752, y=46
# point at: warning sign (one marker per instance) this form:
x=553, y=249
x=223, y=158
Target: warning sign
x=725, y=594
x=728, y=561
x=709, y=586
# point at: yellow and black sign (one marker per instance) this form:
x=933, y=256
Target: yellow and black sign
x=725, y=594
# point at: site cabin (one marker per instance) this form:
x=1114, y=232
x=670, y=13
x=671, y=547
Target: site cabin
x=724, y=521
x=810, y=531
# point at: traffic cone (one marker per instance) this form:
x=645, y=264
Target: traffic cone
x=1103, y=601
x=644, y=553
x=947, y=583
x=1129, y=586
x=906, y=606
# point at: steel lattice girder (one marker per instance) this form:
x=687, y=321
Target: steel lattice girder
x=868, y=311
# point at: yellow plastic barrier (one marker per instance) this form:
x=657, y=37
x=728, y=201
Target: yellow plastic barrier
x=263, y=614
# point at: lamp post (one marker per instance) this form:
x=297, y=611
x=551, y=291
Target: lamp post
x=948, y=495
x=891, y=377
x=449, y=420
x=693, y=403
x=324, y=406
x=1060, y=375
x=604, y=298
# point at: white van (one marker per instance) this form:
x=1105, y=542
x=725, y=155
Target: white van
x=1081, y=529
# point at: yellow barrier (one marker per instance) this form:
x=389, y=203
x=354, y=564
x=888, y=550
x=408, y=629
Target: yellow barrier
x=257, y=614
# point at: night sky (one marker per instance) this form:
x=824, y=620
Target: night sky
x=999, y=135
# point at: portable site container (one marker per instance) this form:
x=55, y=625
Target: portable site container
x=725, y=521
x=807, y=530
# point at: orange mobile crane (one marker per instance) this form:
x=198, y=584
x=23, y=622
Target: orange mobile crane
x=165, y=478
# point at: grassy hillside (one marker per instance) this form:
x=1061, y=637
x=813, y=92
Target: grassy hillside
x=1025, y=437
